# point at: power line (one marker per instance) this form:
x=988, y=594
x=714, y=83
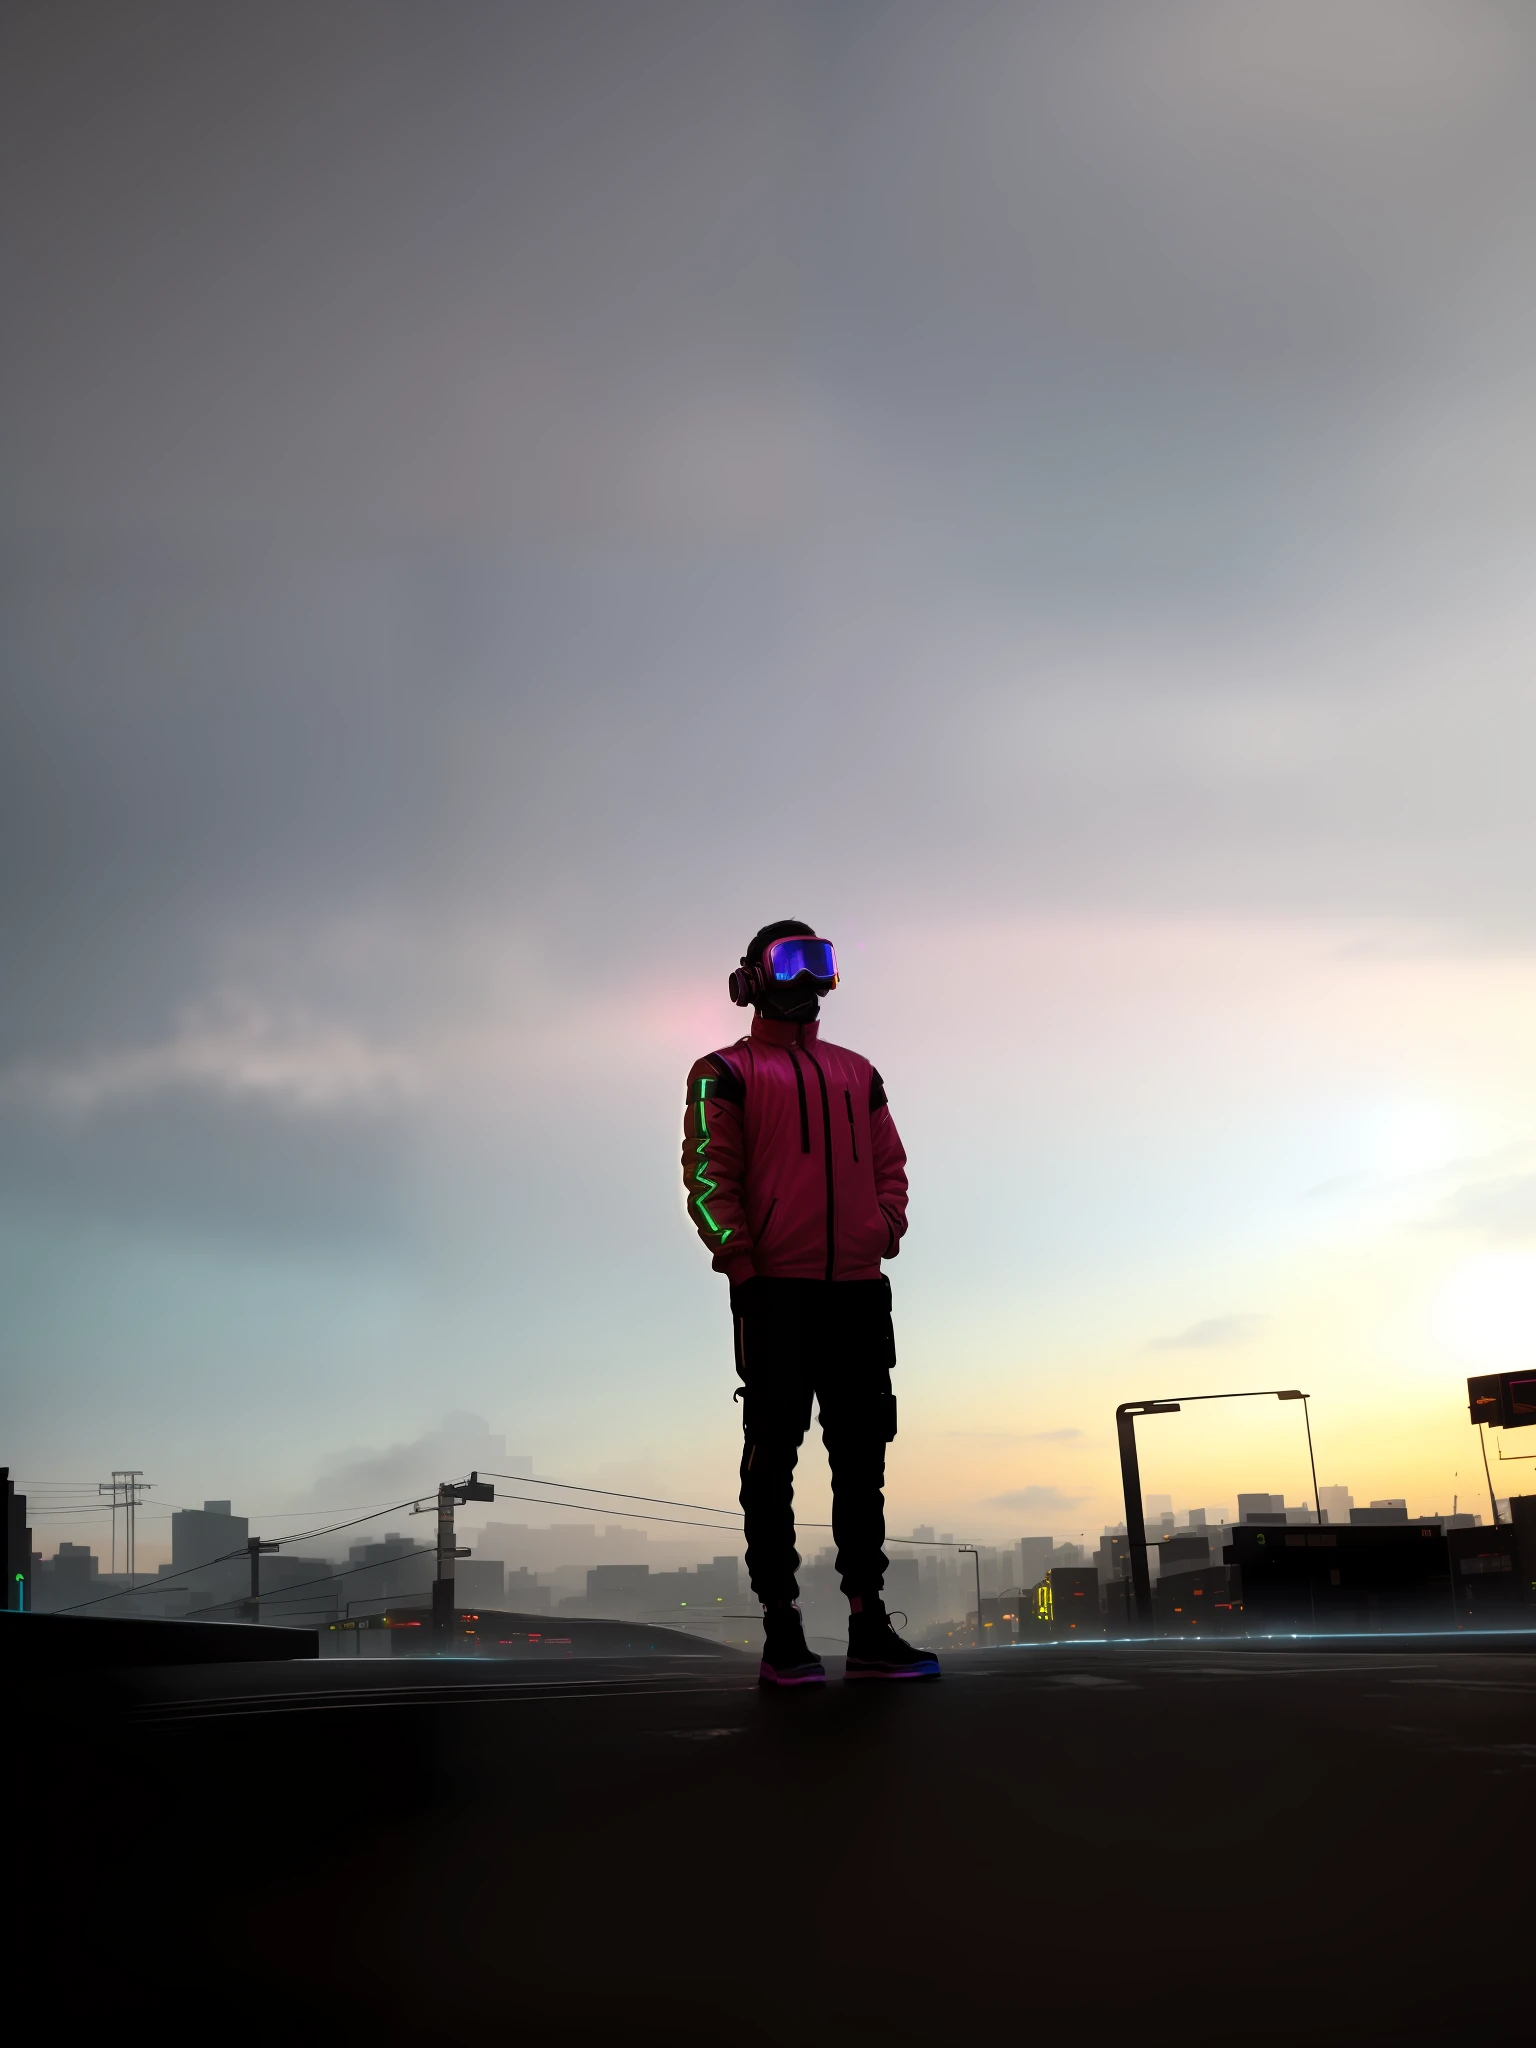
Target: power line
x=153, y=1585
x=284, y=1597
x=657, y=1500
x=629, y=1514
x=309, y=1535
x=302, y=1536
x=574, y=1486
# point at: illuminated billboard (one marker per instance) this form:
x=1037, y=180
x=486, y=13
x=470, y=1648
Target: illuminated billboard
x=1504, y=1400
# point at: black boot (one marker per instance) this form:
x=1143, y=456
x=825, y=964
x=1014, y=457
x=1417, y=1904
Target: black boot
x=787, y=1658
x=876, y=1651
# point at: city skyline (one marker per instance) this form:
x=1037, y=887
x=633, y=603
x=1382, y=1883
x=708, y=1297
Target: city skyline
x=575, y=1533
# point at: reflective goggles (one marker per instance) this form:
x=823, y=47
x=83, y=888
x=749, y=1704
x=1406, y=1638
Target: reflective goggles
x=788, y=959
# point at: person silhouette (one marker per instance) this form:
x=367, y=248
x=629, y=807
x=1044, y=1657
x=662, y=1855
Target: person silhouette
x=796, y=1182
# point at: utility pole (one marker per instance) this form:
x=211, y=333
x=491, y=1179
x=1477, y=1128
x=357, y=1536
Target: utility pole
x=976, y=1560
x=125, y=1488
x=450, y=1495
x=254, y=1544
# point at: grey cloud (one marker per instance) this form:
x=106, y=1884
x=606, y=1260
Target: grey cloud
x=1111, y=440
x=1037, y=1500
x=1502, y=1210
x=464, y=1443
x=1215, y=1333
x=211, y=1168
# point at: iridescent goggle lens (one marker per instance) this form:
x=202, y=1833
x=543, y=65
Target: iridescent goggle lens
x=790, y=958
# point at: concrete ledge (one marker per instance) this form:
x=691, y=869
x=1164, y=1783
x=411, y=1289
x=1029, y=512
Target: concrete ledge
x=498, y=1633
x=41, y=1642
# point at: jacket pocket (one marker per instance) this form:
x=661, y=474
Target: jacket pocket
x=853, y=1129
x=762, y=1228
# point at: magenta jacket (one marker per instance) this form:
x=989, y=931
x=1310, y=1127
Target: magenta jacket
x=791, y=1159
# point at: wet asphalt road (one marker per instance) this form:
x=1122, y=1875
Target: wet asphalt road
x=1085, y=1843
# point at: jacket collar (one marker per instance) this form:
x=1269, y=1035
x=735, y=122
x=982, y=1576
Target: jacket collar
x=770, y=1031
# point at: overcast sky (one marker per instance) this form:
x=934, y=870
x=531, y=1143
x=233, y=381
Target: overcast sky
x=497, y=502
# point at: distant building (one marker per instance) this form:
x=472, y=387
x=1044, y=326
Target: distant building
x=681, y=1598
x=1336, y=1502
x=480, y=1581
x=402, y=1569
x=1113, y=1557
x=198, y=1536
x=17, y=1595
x=1179, y=1554
x=618, y=1589
x=1261, y=1507
x=522, y=1593
x=1494, y=1570
x=65, y=1579
x=1068, y=1603
x=1199, y=1597
x=1360, y=1576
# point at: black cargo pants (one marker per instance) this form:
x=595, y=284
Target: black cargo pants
x=831, y=1341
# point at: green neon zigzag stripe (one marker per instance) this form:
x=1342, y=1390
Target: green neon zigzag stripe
x=703, y=1185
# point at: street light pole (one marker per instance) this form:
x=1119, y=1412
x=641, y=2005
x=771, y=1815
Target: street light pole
x=1135, y=1520
x=1130, y=1474
x=1292, y=1394
x=976, y=1560
x=1493, y=1498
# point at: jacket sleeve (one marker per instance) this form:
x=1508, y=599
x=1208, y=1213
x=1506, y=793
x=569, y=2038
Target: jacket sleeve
x=713, y=1161
x=890, y=1165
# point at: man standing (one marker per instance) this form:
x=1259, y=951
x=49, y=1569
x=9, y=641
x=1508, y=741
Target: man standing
x=797, y=1183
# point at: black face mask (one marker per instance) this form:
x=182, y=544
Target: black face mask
x=797, y=1003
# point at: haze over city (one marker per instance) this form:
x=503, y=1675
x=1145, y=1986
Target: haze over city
x=494, y=513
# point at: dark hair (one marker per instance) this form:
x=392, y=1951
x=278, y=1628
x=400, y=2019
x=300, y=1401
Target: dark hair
x=786, y=928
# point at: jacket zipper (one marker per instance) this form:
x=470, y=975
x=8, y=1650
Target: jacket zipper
x=853, y=1129
x=805, y=1118
x=826, y=1132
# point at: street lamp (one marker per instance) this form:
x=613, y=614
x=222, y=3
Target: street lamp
x=976, y=1560
x=1130, y=1474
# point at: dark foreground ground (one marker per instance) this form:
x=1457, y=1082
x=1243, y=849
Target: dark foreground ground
x=1077, y=1844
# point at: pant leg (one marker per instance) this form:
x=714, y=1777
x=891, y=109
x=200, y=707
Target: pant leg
x=775, y=1415
x=858, y=1420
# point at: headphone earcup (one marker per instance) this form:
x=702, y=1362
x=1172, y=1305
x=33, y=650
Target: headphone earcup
x=745, y=984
